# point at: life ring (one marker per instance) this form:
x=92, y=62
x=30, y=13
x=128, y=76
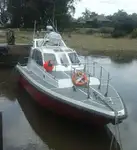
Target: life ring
x=48, y=65
x=79, y=79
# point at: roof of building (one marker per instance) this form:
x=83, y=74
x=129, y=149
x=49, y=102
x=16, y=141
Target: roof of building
x=55, y=49
x=101, y=18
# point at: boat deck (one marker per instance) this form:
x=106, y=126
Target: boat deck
x=61, y=74
x=81, y=95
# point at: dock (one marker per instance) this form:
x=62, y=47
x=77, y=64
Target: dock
x=11, y=54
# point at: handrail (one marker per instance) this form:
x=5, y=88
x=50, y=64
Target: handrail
x=113, y=90
x=56, y=81
x=51, y=76
x=24, y=58
x=91, y=68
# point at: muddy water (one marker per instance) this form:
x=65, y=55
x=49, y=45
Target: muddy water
x=27, y=126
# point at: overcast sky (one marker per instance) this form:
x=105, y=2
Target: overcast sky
x=106, y=6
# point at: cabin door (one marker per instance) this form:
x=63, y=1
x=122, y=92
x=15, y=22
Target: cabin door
x=36, y=63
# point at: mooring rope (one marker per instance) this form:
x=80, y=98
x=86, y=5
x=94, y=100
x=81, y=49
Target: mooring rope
x=120, y=141
x=116, y=137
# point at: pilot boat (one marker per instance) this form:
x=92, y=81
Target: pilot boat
x=60, y=81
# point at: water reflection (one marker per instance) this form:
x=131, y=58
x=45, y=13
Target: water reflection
x=60, y=133
x=27, y=126
x=122, y=59
x=7, y=83
x=1, y=133
x=119, y=57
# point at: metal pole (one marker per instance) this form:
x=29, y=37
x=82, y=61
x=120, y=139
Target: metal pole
x=93, y=69
x=88, y=92
x=85, y=63
x=53, y=13
x=107, y=84
x=56, y=26
x=100, y=77
x=74, y=87
x=34, y=29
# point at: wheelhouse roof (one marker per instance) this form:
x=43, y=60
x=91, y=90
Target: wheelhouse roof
x=56, y=49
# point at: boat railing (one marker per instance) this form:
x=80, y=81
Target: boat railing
x=23, y=61
x=52, y=79
x=117, y=95
x=94, y=69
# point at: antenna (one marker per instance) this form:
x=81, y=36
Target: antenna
x=56, y=26
x=52, y=24
x=34, y=28
x=52, y=21
x=53, y=14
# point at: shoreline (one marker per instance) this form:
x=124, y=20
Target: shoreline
x=18, y=52
x=83, y=51
x=86, y=45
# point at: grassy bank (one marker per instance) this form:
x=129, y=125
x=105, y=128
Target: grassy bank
x=95, y=43
x=120, y=50
x=88, y=44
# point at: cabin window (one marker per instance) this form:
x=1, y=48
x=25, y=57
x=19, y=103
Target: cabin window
x=63, y=59
x=48, y=57
x=73, y=58
x=38, y=58
x=33, y=54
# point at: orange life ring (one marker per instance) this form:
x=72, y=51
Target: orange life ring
x=79, y=79
x=48, y=65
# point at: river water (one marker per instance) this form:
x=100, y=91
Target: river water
x=26, y=126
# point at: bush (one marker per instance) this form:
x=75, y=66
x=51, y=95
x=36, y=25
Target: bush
x=92, y=31
x=134, y=33
x=118, y=33
x=106, y=30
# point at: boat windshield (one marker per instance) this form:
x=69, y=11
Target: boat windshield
x=73, y=58
x=53, y=42
x=63, y=59
x=49, y=56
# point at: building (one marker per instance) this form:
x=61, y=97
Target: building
x=99, y=21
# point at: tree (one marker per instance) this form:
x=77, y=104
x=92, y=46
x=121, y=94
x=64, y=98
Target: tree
x=30, y=10
x=3, y=13
x=86, y=14
x=123, y=22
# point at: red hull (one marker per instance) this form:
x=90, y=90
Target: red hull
x=62, y=108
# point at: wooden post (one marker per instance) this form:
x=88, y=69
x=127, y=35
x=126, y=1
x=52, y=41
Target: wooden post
x=10, y=37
